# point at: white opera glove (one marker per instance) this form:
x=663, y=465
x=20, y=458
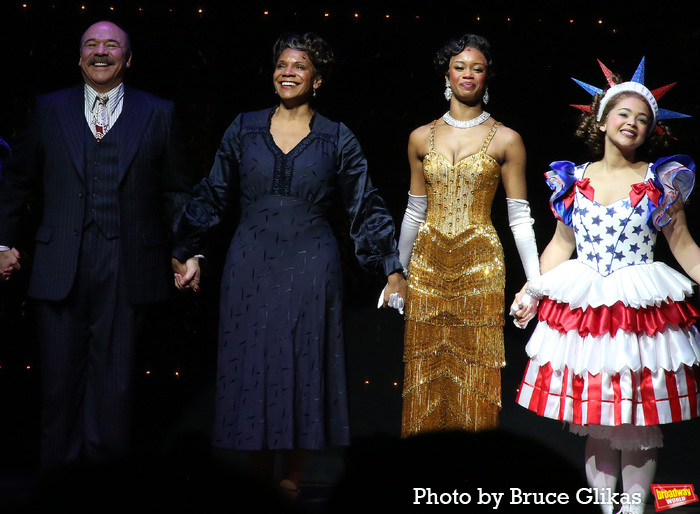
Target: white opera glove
x=412, y=220
x=521, y=222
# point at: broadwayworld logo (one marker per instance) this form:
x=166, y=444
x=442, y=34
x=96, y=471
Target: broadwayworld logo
x=668, y=496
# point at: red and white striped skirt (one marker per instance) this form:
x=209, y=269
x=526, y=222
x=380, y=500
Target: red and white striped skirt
x=614, y=365
x=630, y=397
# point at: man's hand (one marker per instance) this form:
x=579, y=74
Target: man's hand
x=9, y=262
x=187, y=274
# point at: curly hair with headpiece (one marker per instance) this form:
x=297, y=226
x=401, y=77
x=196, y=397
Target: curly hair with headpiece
x=319, y=51
x=589, y=126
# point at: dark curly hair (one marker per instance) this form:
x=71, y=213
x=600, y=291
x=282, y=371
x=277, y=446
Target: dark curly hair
x=319, y=52
x=589, y=127
x=456, y=46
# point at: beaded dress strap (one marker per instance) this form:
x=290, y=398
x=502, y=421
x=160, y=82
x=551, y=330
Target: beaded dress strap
x=432, y=136
x=489, y=137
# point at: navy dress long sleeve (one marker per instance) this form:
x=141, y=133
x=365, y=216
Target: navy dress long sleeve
x=281, y=365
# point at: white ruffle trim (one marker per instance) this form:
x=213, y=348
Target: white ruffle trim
x=669, y=349
x=677, y=180
x=623, y=437
x=639, y=285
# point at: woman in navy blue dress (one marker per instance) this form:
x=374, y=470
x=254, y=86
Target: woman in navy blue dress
x=281, y=366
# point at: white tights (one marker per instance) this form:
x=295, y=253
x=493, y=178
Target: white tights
x=603, y=464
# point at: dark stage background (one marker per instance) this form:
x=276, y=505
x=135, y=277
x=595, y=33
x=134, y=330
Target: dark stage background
x=214, y=60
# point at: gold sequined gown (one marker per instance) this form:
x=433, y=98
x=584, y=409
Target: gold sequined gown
x=453, y=346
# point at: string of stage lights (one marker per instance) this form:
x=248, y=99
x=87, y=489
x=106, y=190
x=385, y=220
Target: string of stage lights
x=375, y=13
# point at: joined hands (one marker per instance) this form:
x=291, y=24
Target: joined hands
x=394, y=292
x=187, y=274
x=9, y=263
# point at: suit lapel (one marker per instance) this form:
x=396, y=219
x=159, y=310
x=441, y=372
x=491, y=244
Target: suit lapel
x=71, y=116
x=134, y=119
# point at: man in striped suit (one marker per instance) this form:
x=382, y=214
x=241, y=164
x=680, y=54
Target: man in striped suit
x=108, y=163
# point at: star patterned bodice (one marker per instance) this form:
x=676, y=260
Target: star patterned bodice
x=620, y=234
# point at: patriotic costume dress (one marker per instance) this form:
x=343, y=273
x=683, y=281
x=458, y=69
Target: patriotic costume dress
x=615, y=347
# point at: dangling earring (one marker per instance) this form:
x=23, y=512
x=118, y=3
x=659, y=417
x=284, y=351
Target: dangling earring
x=314, y=95
x=448, y=91
x=486, y=97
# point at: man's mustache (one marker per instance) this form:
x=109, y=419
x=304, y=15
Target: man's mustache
x=101, y=59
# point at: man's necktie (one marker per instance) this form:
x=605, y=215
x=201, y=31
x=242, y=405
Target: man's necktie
x=101, y=116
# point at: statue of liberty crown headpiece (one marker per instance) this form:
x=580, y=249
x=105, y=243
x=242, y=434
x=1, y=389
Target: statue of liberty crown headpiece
x=636, y=85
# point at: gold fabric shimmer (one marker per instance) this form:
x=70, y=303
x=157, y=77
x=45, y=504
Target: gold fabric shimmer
x=453, y=344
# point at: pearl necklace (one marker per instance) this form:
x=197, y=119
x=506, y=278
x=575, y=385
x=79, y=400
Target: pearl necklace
x=465, y=124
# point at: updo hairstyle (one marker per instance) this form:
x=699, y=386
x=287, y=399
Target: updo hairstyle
x=319, y=52
x=456, y=46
